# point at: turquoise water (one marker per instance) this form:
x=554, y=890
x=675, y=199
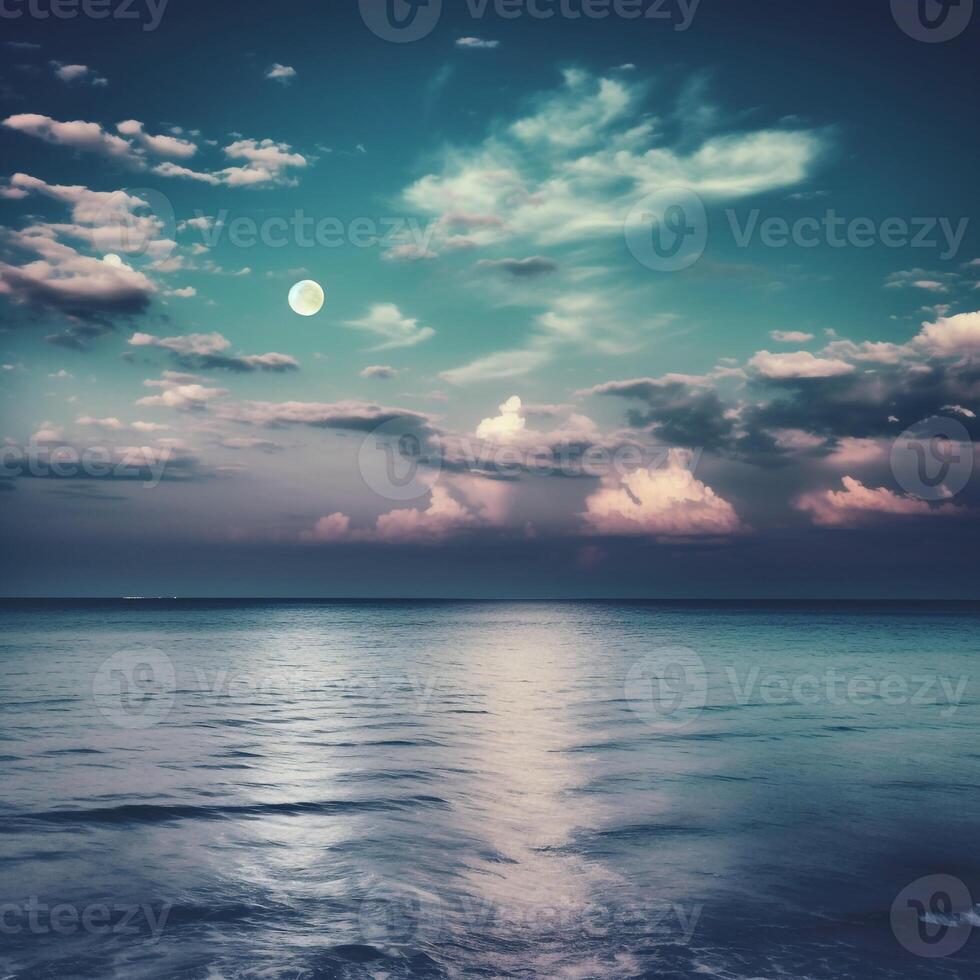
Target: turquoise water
x=195, y=790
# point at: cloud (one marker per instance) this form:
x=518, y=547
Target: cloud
x=571, y=170
x=857, y=504
x=48, y=432
x=281, y=73
x=679, y=411
x=529, y=268
x=509, y=423
x=164, y=146
x=112, y=423
x=951, y=336
x=442, y=517
x=663, y=502
x=84, y=288
x=475, y=43
x=260, y=445
x=455, y=506
x=933, y=282
x=387, y=321
x=78, y=73
x=336, y=527
x=499, y=366
x=588, y=321
x=352, y=415
x=801, y=364
x=208, y=352
x=959, y=410
x=180, y=392
x=76, y=135
x=107, y=221
x=851, y=451
x=379, y=371
x=267, y=162
x=790, y=336
x=64, y=281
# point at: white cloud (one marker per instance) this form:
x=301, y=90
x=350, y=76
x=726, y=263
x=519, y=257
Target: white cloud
x=336, y=527
x=110, y=423
x=667, y=502
x=800, y=364
x=857, y=504
x=77, y=135
x=852, y=451
x=281, y=73
x=209, y=351
x=387, y=321
x=573, y=169
x=380, y=371
x=267, y=162
x=48, y=432
x=790, y=336
x=180, y=391
x=959, y=410
x=164, y=146
x=63, y=280
x=445, y=516
x=508, y=424
x=589, y=321
x=78, y=73
x=499, y=366
x=951, y=336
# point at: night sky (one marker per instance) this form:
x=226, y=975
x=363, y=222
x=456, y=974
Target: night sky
x=679, y=305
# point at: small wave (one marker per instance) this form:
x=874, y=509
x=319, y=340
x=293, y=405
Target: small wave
x=150, y=813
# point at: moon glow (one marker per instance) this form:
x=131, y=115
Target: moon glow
x=306, y=298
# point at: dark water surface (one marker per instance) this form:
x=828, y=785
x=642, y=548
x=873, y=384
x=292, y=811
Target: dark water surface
x=299, y=790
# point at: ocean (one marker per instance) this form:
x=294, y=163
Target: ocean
x=502, y=789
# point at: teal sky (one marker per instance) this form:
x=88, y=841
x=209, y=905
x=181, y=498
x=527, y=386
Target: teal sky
x=514, y=152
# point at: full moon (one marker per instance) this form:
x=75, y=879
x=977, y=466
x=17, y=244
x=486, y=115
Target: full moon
x=113, y=260
x=306, y=298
